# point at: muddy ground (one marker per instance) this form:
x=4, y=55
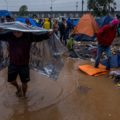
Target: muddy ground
x=73, y=96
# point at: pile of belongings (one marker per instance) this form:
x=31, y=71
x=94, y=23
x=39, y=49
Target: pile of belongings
x=83, y=50
x=116, y=76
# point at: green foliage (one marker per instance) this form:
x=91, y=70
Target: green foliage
x=23, y=11
x=101, y=7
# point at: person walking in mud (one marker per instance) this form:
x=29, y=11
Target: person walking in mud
x=19, y=53
x=105, y=37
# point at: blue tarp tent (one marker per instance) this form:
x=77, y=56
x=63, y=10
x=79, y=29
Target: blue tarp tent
x=75, y=22
x=21, y=19
x=4, y=13
x=114, y=61
x=104, y=20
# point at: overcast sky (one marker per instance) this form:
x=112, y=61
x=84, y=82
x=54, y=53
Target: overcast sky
x=44, y=5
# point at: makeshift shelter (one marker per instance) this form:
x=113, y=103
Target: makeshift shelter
x=104, y=20
x=75, y=22
x=23, y=20
x=86, y=28
x=4, y=13
x=114, y=61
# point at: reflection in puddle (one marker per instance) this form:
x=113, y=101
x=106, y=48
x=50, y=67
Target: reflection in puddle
x=43, y=93
x=40, y=95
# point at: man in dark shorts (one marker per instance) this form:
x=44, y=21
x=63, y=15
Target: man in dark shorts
x=19, y=53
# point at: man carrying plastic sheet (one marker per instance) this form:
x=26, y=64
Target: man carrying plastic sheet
x=105, y=37
x=19, y=52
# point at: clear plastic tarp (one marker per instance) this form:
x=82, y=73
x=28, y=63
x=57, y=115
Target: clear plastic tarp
x=45, y=56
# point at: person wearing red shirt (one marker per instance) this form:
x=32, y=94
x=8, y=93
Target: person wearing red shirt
x=105, y=37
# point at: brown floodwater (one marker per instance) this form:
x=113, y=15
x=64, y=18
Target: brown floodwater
x=73, y=96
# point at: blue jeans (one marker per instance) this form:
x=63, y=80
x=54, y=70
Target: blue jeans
x=107, y=51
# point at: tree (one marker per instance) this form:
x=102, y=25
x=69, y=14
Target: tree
x=101, y=7
x=23, y=11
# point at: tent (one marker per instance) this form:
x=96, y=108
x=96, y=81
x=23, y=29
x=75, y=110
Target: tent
x=114, y=61
x=75, y=22
x=4, y=13
x=86, y=27
x=21, y=19
x=104, y=20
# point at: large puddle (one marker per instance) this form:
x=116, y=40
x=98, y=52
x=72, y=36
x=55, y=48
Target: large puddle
x=42, y=93
x=73, y=96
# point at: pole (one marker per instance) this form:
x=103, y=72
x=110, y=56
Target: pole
x=82, y=5
x=51, y=7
